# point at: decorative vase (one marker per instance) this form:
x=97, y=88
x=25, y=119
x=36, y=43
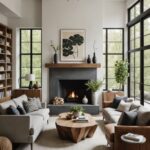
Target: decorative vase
x=55, y=58
x=84, y=100
x=77, y=114
x=95, y=98
x=94, y=58
x=88, y=59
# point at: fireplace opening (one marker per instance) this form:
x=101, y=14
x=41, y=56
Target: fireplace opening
x=73, y=91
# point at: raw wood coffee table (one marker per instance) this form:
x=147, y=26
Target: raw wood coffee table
x=75, y=131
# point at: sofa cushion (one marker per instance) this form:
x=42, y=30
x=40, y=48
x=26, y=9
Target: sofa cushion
x=30, y=106
x=128, y=118
x=5, y=105
x=123, y=106
x=44, y=113
x=143, y=117
x=21, y=110
x=134, y=106
x=37, y=100
x=117, y=101
x=11, y=110
x=111, y=115
x=19, y=100
x=109, y=131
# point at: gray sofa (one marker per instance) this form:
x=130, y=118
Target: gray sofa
x=22, y=128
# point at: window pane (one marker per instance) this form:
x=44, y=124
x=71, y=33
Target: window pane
x=131, y=59
x=112, y=84
x=24, y=83
x=25, y=61
x=137, y=9
x=146, y=4
x=111, y=72
x=132, y=89
x=147, y=76
x=137, y=75
x=115, y=47
x=137, y=90
x=137, y=59
x=112, y=59
x=114, y=35
x=132, y=13
x=147, y=57
x=36, y=61
x=25, y=47
x=147, y=31
x=24, y=72
x=36, y=47
x=36, y=35
x=25, y=35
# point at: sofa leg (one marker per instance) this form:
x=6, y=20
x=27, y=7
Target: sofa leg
x=31, y=146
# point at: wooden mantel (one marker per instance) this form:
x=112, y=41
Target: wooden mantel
x=72, y=65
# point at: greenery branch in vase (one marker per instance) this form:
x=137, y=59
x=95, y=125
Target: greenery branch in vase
x=121, y=72
x=94, y=85
x=56, y=49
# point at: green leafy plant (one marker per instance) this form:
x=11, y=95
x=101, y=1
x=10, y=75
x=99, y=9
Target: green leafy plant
x=121, y=72
x=77, y=109
x=94, y=85
x=55, y=48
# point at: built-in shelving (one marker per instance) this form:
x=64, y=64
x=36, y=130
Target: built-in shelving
x=5, y=62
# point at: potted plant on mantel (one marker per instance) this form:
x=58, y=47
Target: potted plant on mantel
x=56, y=49
x=121, y=72
x=94, y=85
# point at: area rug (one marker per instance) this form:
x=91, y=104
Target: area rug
x=49, y=139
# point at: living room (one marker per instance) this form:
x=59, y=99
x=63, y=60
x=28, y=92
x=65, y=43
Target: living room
x=74, y=74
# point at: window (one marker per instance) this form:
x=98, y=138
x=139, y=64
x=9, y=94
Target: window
x=139, y=51
x=30, y=55
x=113, y=50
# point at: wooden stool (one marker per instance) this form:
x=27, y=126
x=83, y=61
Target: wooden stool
x=5, y=143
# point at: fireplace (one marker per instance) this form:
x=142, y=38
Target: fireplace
x=73, y=91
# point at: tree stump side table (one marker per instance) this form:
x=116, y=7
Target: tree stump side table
x=5, y=143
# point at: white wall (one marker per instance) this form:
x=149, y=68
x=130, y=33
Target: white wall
x=73, y=14
x=13, y=5
x=3, y=19
x=114, y=13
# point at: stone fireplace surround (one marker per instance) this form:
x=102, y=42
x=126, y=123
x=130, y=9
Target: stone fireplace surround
x=57, y=74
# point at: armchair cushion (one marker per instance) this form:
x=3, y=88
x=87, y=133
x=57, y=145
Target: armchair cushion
x=128, y=118
x=123, y=106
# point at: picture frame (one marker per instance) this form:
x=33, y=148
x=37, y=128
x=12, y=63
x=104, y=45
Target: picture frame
x=72, y=45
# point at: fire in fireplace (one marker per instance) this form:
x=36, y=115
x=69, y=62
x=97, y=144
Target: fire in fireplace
x=73, y=91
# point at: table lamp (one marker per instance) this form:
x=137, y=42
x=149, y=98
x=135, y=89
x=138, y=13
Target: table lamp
x=30, y=78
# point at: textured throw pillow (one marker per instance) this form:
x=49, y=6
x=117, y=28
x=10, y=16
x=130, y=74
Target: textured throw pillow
x=128, y=118
x=123, y=106
x=30, y=106
x=134, y=106
x=117, y=101
x=21, y=110
x=37, y=101
x=143, y=117
x=11, y=110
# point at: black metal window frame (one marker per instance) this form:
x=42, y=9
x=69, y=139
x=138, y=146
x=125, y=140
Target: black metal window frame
x=31, y=54
x=139, y=19
x=106, y=54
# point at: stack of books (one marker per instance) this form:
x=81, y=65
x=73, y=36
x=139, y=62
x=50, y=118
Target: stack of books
x=133, y=137
x=81, y=119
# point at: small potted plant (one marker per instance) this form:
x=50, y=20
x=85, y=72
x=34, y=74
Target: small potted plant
x=77, y=111
x=94, y=85
x=56, y=49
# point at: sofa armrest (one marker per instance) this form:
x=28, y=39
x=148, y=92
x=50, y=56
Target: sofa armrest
x=17, y=128
x=120, y=130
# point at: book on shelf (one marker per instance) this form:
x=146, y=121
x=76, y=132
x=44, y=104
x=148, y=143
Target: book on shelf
x=133, y=137
x=8, y=93
x=1, y=94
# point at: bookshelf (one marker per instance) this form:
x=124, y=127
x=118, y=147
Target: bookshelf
x=5, y=62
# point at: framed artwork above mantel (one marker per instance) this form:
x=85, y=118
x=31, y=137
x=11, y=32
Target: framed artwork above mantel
x=72, y=45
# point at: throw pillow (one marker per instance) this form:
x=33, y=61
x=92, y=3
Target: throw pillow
x=123, y=106
x=30, y=106
x=128, y=118
x=134, y=106
x=37, y=101
x=143, y=117
x=11, y=110
x=21, y=110
x=117, y=101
